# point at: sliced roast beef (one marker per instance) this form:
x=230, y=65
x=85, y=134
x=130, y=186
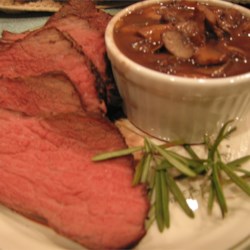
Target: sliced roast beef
x=50, y=50
x=47, y=174
x=90, y=40
x=86, y=26
x=87, y=10
x=44, y=94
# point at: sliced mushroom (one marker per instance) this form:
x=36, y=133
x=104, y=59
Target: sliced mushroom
x=177, y=44
x=210, y=55
x=193, y=30
x=153, y=32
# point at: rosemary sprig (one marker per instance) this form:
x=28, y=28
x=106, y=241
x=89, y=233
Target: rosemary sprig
x=155, y=171
x=215, y=162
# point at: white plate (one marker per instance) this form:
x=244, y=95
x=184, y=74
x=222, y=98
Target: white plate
x=204, y=232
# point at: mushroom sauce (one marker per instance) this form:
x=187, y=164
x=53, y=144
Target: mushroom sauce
x=186, y=38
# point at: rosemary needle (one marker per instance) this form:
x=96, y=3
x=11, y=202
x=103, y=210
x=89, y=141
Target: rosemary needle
x=174, y=162
x=165, y=198
x=146, y=167
x=175, y=190
x=238, y=162
x=147, y=162
x=221, y=135
x=191, y=152
x=159, y=210
x=161, y=201
x=236, y=179
x=211, y=199
x=138, y=171
x=115, y=154
x=218, y=188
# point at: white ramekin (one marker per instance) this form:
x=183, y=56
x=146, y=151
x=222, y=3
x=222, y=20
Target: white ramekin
x=171, y=107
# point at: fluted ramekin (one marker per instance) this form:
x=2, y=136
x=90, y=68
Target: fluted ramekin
x=171, y=107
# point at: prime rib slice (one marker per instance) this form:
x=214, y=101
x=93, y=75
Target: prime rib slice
x=90, y=40
x=46, y=94
x=96, y=22
x=47, y=174
x=50, y=50
x=81, y=30
x=92, y=24
x=86, y=27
